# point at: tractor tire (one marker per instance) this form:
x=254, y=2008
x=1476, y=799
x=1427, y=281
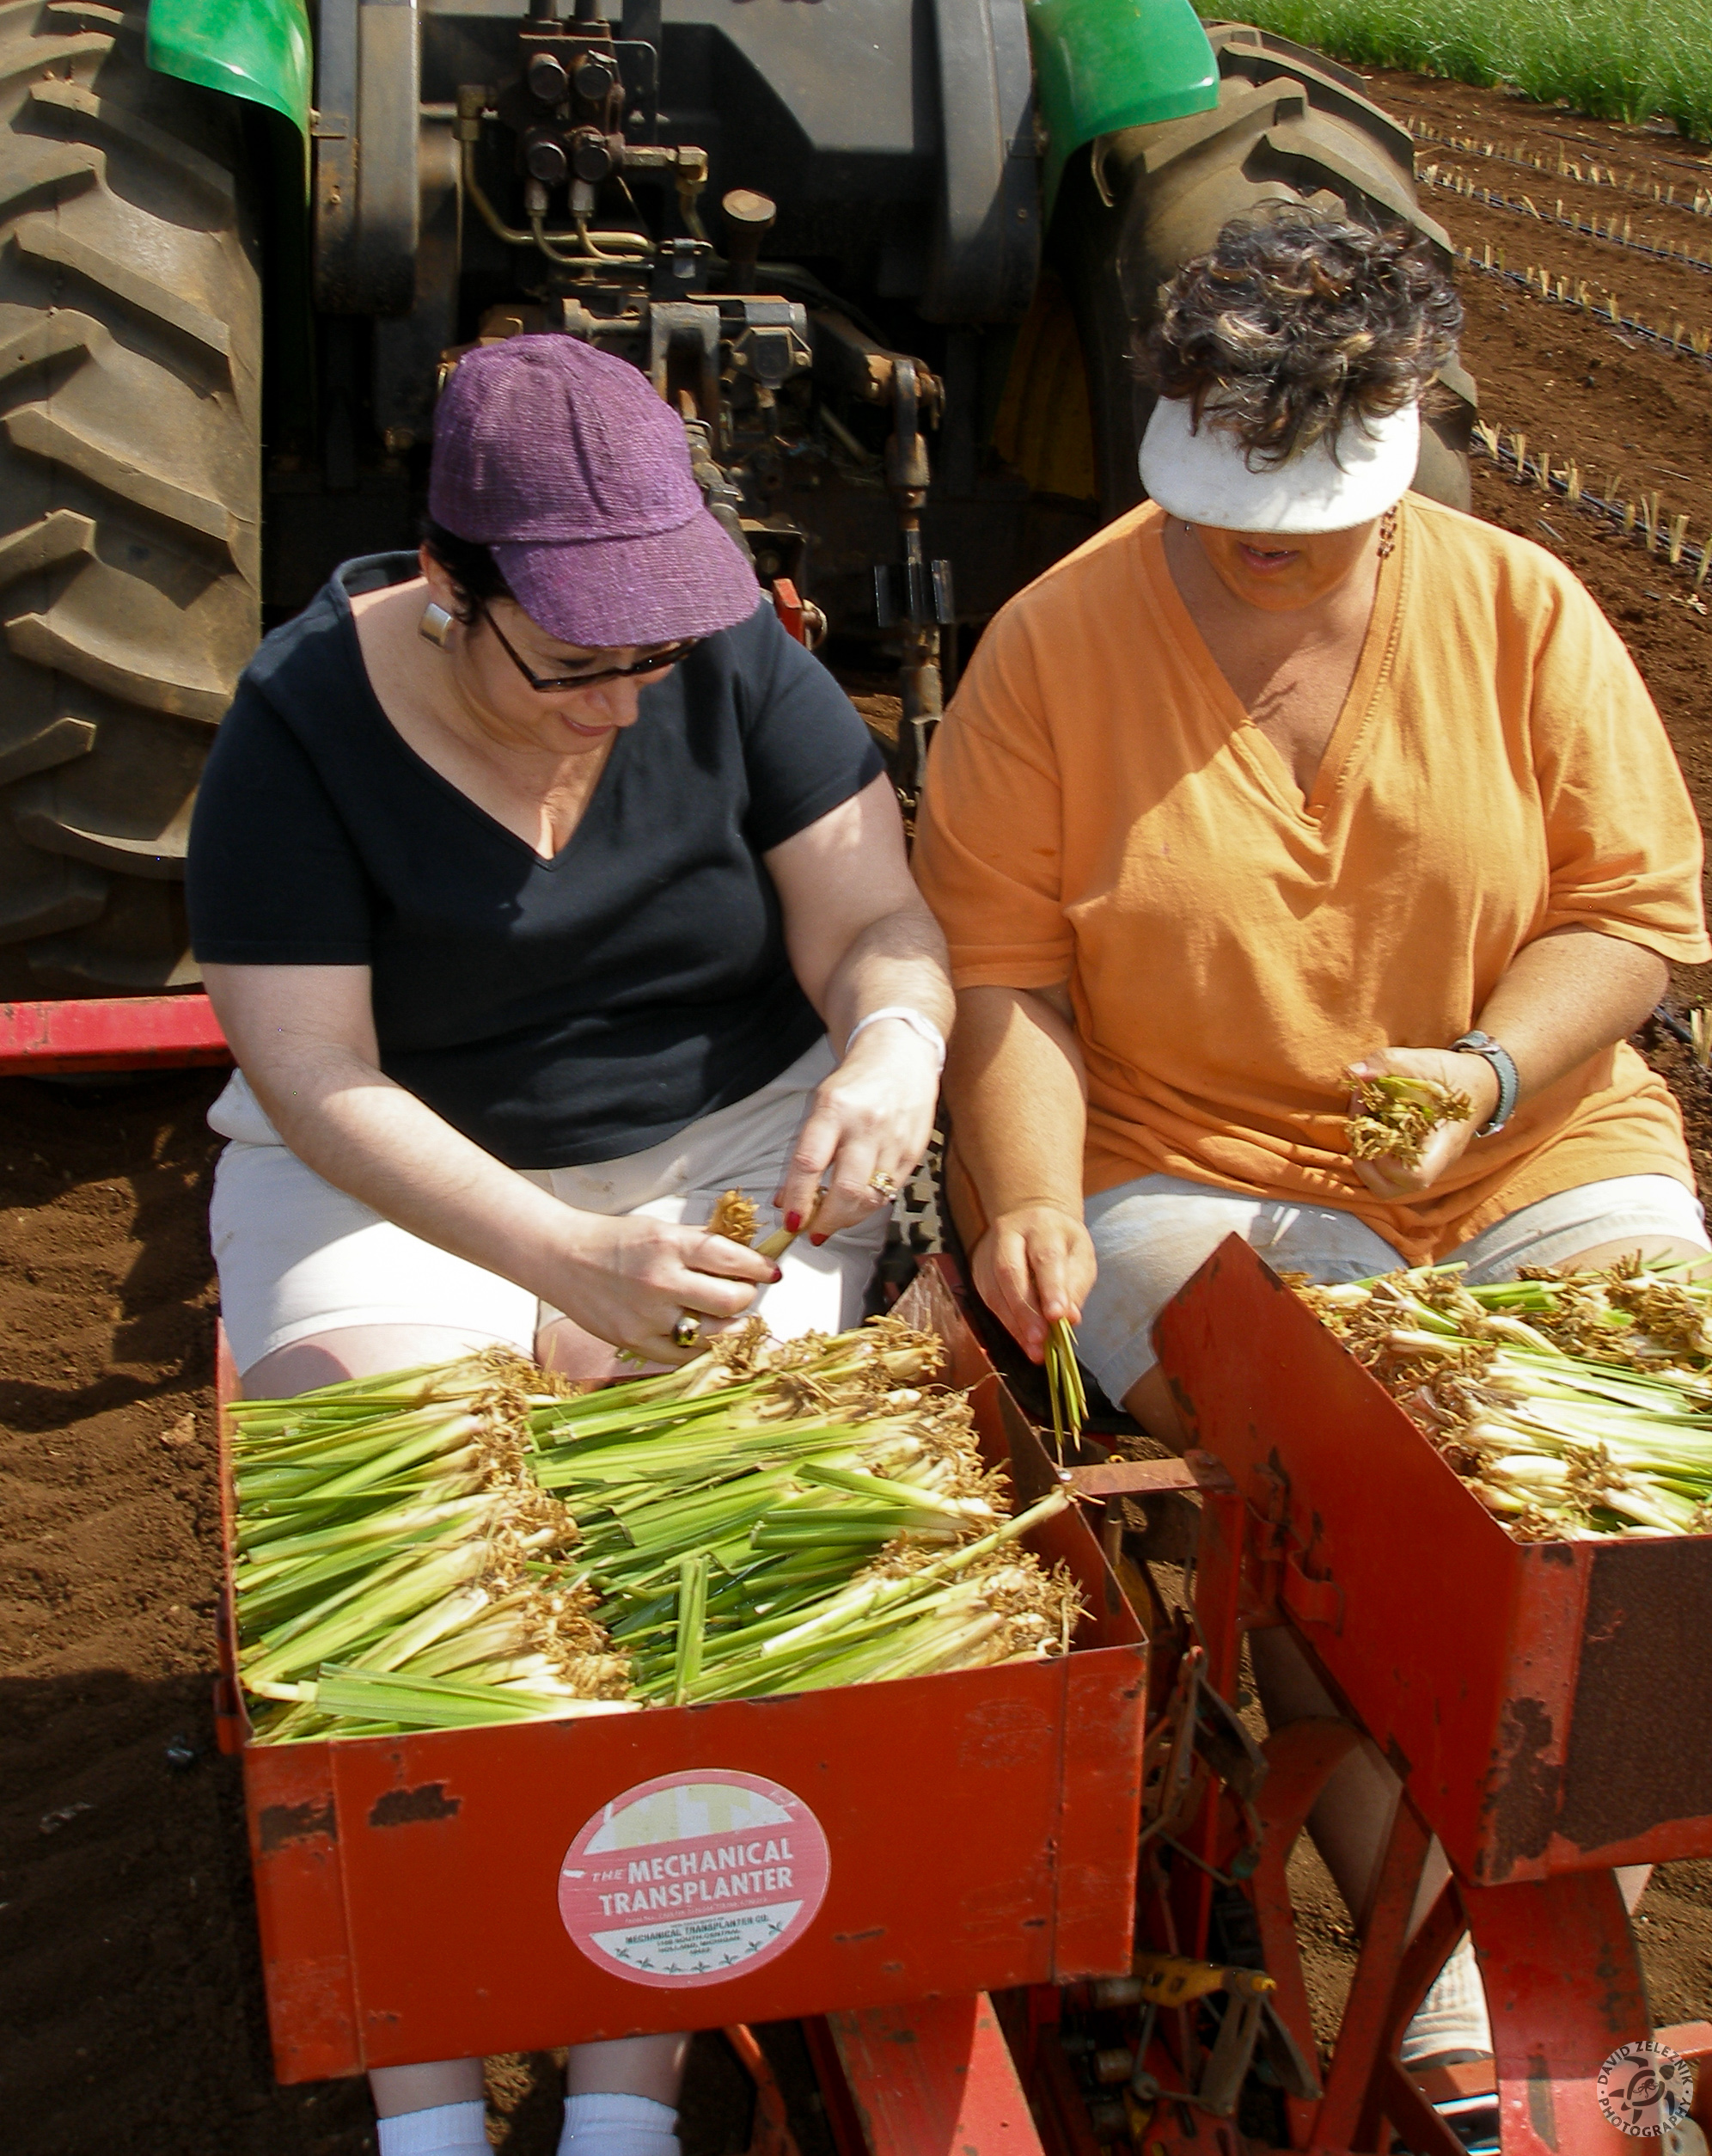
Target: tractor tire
x=1289, y=127
x=130, y=481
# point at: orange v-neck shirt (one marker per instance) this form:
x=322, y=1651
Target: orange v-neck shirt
x=1101, y=810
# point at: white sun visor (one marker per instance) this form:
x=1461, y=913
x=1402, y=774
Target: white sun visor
x=1205, y=477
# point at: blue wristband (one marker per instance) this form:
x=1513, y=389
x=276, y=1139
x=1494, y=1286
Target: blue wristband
x=1509, y=1082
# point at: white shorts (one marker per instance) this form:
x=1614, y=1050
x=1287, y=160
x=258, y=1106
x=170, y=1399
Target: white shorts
x=297, y=1257
x=1153, y=1236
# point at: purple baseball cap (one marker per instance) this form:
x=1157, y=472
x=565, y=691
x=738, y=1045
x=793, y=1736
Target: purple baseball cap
x=563, y=460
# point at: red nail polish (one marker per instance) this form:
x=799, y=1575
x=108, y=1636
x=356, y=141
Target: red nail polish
x=778, y=1272
x=817, y=1240
x=793, y=1221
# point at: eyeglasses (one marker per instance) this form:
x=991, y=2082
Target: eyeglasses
x=547, y=684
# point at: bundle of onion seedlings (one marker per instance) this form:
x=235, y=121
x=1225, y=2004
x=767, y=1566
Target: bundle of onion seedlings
x=1572, y=1404
x=1395, y=1117
x=392, y=1545
x=1069, y=1401
x=473, y=1543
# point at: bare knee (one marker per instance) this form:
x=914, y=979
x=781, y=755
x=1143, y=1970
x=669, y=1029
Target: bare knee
x=426, y=2087
x=1149, y=1400
x=630, y=2065
x=355, y=1350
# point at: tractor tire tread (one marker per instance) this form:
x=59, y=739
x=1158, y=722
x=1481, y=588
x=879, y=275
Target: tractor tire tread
x=130, y=467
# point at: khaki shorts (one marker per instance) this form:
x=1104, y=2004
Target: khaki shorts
x=297, y=1257
x=1153, y=1236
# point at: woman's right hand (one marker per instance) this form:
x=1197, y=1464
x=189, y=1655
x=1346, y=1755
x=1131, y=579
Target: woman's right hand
x=628, y=1279
x=1034, y=1265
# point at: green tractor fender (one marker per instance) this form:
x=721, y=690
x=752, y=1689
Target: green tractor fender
x=1103, y=64
x=258, y=50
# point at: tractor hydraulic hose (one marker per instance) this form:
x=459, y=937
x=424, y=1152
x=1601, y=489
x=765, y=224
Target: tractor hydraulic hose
x=587, y=248
x=625, y=246
x=490, y=216
x=538, y=235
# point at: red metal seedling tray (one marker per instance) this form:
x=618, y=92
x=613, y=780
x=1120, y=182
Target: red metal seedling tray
x=981, y=1829
x=1545, y=1702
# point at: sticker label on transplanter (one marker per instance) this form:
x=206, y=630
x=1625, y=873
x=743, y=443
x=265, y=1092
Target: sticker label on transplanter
x=693, y=1878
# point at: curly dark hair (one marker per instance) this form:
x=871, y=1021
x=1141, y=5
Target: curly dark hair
x=475, y=575
x=1297, y=322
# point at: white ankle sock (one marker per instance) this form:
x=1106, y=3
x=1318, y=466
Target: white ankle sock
x=446, y=2130
x=1453, y=2015
x=618, y=2126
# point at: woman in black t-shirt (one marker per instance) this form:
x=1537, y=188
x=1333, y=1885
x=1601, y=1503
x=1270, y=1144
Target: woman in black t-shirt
x=544, y=888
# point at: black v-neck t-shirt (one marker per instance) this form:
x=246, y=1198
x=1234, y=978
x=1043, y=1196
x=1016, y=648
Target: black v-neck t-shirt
x=557, y=1012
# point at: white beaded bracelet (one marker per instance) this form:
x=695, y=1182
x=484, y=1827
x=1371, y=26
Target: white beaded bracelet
x=923, y=1028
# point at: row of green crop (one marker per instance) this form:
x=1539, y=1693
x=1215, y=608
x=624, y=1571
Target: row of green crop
x=1616, y=60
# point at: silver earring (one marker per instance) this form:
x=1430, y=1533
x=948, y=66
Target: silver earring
x=437, y=625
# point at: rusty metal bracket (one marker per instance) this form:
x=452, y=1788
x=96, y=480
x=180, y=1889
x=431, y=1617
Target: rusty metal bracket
x=1308, y=1599
x=683, y=360
x=1279, y=1581
x=1145, y=1478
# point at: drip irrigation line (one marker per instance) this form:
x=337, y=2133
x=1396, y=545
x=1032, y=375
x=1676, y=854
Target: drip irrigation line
x=1665, y=539
x=1588, y=174
x=1466, y=191
x=1577, y=296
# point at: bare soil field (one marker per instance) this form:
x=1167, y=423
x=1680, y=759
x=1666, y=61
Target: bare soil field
x=130, y=1987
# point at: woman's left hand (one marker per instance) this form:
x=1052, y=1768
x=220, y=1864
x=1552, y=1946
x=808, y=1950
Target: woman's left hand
x=868, y=1128
x=1460, y=1072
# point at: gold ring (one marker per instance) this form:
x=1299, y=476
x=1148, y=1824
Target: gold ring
x=687, y=1329
x=879, y=1181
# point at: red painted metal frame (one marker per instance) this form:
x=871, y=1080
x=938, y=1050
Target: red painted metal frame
x=1690, y=2040
x=1300, y=1758
x=1484, y=1670
x=837, y=2105
x=982, y=1827
x=118, y=1032
x=937, y=2076
x=770, y=2135
x=788, y=605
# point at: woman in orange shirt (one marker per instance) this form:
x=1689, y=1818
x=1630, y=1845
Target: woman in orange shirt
x=1285, y=777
